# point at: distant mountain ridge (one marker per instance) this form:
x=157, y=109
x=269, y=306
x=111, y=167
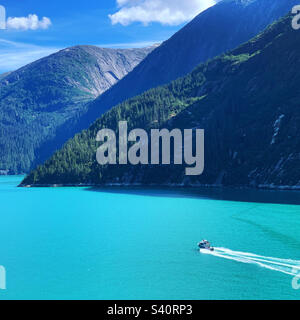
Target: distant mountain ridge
x=40, y=98
x=218, y=29
x=246, y=100
x=3, y=75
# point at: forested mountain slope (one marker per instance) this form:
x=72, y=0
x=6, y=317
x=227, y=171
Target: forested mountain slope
x=246, y=100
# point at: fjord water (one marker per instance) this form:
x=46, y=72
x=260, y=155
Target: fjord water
x=80, y=243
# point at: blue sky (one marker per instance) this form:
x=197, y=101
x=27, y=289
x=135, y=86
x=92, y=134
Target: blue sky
x=57, y=24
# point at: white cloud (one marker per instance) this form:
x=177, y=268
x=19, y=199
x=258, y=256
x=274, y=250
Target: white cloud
x=31, y=22
x=168, y=12
x=14, y=55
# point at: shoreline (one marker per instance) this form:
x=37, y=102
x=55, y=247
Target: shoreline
x=192, y=186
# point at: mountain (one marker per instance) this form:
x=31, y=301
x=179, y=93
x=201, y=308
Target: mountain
x=38, y=100
x=3, y=75
x=47, y=102
x=246, y=100
x=218, y=29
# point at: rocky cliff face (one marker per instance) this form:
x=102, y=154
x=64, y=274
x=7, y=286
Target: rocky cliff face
x=110, y=66
x=38, y=99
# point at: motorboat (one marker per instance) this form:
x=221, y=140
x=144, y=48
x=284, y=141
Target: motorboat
x=204, y=244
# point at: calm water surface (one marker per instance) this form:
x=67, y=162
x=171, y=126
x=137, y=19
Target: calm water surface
x=80, y=243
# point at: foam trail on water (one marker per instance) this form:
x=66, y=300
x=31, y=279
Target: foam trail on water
x=287, y=266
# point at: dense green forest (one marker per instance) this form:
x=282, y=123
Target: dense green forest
x=247, y=100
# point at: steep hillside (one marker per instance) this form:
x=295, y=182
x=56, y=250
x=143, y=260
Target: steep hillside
x=38, y=99
x=248, y=103
x=218, y=29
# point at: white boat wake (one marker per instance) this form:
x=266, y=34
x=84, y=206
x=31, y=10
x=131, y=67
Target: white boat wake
x=287, y=266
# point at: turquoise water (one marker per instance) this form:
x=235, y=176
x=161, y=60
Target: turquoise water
x=78, y=243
